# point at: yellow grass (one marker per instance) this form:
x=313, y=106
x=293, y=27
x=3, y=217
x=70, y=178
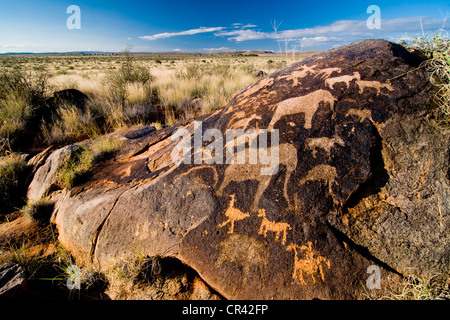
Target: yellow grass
x=119, y=96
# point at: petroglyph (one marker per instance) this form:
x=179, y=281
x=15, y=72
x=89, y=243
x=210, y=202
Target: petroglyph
x=321, y=172
x=295, y=76
x=310, y=265
x=272, y=226
x=307, y=104
x=233, y=214
x=243, y=172
x=265, y=82
x=243, y=121
x=326, y=73
x=330, y=82
x=324, y=143
x=362, y=84
x=197, y=168
x=246, y=252
x=362, y=114
x=298, y=74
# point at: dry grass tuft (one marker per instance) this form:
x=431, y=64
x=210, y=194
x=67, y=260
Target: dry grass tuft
x=84, y=159
x=413, y=287
x=13, y=170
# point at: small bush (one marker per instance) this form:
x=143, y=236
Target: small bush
x=15, y=113
x=129, y=73
x=39, y=211
x=437, y=50
x=69, y=124
x=12, y=182
x=84, y=159
x=22, y=96
x=192, y=71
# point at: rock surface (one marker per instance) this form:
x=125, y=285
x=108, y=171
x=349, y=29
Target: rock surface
x=139, y=132
x=363, y=179
x=13, y=283
x=46, y=175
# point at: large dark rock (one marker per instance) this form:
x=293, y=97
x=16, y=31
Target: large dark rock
x=362, y=180
x=71, y=97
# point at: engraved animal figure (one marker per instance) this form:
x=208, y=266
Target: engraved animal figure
x=324, y=143
x=264, y=82
x=244, y=251
x=310, y=265
x=373, y=84
x=277, y=227
x=233, y=214
x=330, y=82
x=321, y=172
x=243, y=121
x=198, y=168
x=362, y=114
x=362, y=84
x=307, y=104
x=326, y=73
x=243, y=172
x=298, y=74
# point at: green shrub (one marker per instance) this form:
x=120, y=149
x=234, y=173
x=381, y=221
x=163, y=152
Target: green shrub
x=15, y=113
x=22, y=97
x=12, y=182
x=437, y=50
x=129, y=73
x=84, y=159
x=39, y=211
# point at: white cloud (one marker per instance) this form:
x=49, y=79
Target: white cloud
x=337, y=30
x=216, y=49
x=177, y=50
x=241, y=25
x=337, y=33
x=181, y=33
x=15, y=46
x=317, y=41
x=244, y=35
x=249, y=25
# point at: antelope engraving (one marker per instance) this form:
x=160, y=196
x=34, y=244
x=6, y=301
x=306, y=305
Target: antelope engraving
x=233, y=214
x=307, y=104
x=310, y=265
x=362, y=114
x=326, y=73
x=362, y=84
x=330, y=82
x=298, y=74
x=324, y=143
x=321, y=172
x=276, y=227
x=243, y=172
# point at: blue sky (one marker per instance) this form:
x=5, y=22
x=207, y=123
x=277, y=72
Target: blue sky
x=203, y=26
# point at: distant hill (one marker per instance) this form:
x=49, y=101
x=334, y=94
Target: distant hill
x=219, y=53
